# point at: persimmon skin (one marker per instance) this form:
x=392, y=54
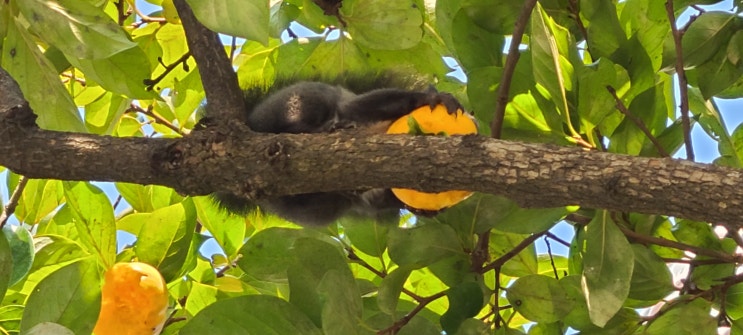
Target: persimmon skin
x=134, y=301
x=436, y=121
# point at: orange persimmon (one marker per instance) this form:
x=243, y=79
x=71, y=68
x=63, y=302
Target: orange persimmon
x=436, y=122
x=134, y=301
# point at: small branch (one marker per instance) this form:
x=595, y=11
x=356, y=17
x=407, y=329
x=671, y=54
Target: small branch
x=402, y=322
x=574, y=9
x=155, y=116
x=680, y=246
x=622, y=108
x=480, y=255
x=558, y=239
x=9, y=208
x=356, y=259
x=504, y=87
x=121, y=13
x=498, y=319
x=552, y=259
x=498, y=263
x=683, y=84
x=146, y=18
x=734, y=233
x=695, y=262
x=168, y=68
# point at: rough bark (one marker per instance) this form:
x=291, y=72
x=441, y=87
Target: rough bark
x=217, y=75
x=228, y=157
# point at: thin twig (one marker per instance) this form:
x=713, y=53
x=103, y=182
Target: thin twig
x=509, y=68
x=552, y=259
x=513, y=252
x=622, y=108
x=9, y=208
x=480, y=255
x=356, y=259
x=683, y=84
x=677, y=245
x=405, y=319
x=556, y=238
x=574, y=9
x=156, y=117
x=168, y=68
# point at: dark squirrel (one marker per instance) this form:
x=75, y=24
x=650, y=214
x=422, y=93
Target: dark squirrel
x=320, y=105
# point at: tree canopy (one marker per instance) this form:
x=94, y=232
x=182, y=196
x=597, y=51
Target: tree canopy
x=585, y=108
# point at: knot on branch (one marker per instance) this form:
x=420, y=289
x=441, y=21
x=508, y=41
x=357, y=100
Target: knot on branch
x=21, y=116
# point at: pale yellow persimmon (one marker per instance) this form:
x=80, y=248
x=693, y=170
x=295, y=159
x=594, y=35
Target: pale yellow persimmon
x=438, y=122
x=134, y=301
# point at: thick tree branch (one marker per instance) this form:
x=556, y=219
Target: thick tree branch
x=217, y=75
x=229, y=158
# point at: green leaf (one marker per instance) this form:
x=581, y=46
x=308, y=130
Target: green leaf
x=21, y=245
x=366, y=234
x=422, y=245
x=223, y=16
x=6, y=264
x=706, y=35
x=121, y=73
x=49, y=328
x=497, y=17
x=652, y=108
x=626, y=321
x=475, y=46
x=165, y=238
x=227, y=229
x=465, y=301
x=391, y=287
x=53, y=252
x=648, y=23
x=371, y=21
x=696, y=233
x=472, y=326
x=651, y=279
x=323, y=287
x=200, y=297
x=717, y=74
x=595, y=103
x=734, y=301
x=551, y=47
x=481, y=212
x=71, y=297
x=10, y=318
x=94, y=219
x=691, y=318
x=605, y=34
x=522, y=264
x=607, y=268
x=39, y=198
x=539, y=298
x=100, y=115
x=418, y=325
x=39, y=82
x=709, y=118
x=135, y=195
x=267, y=254
x=251, y=314
x=578, y=317
x=78, y=28
x=454, y=270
